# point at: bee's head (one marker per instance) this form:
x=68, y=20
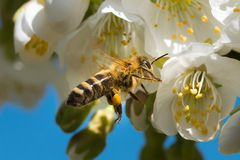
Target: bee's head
x=145, y=63
x=146, y=68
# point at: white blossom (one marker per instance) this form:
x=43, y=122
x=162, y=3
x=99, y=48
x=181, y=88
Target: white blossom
x=228, y=13
x=40, y=24
x=198, y=90
x=174, y=24
x=110, y=31
x=229, y=141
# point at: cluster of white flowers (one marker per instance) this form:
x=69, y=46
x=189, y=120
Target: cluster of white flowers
x=199, y=85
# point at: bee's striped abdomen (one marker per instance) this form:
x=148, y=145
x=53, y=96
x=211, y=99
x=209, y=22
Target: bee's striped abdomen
x=90, y=90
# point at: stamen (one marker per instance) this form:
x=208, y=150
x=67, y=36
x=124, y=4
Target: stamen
x=197, y=102
x=236, y=10
x=217, y=29
x=204, y=19
x=37, y=45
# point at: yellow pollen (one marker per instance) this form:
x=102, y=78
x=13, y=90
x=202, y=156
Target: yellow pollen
x=204, y=113
x=124, y=42
x=183, y=38
x=94, y=58
x=37, y=45
x=116, y=100
x=180, y=24
x=198, y=85
x=185, y=22
x=156, y=25
x=180, y=94
x=186, y=88
x=218, y=109
x=188, y=118
x=186, y=109
x=157, y=5
x=236, y=10
x=83, y=59
x=204, y=19
x=209, y=41
x=133, y=51
x=204, y=130
x=198, y=96
x=193, y=122
x=174, y=37
x=190, y=31
x=217, y=29
x=174, y=90
x=42, y=2
x=193, y=91
x=192, y=16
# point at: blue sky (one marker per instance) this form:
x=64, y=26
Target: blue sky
x=33, y=134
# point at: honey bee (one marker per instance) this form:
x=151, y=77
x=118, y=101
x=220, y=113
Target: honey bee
x=123, y=75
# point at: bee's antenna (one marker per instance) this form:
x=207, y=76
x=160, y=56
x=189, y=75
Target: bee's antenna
x=156, y=59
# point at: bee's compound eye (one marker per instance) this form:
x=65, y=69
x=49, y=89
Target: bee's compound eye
x=147, y=64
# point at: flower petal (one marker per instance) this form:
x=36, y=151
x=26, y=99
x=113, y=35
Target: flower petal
x=162, y=118
x=228, y=140
x=65, y=16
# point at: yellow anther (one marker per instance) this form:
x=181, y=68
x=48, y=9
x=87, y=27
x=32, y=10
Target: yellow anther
x=192, y=16
x=198, y=96
x=124, y=42
x=180, y=24
x=204, y=19
x=186, y=109
x=156, y=25
x=116, y=100
x=42, y=2
x=204, y=130
x=190, y=31
x=193, y=91
x=203, y=113
x=236, y=10
x=193, y=122
x=157, y=5
x=174, y=90
x=183, y=38
x=188, y=118
x=209, y=41
x=188, y=2
x=198, y=85
x=179, y=102
x=37, y=45
x=217, y=29
x=174, y=37
x=186, y=88
x=218, y=109
x=94, y=58
x=180, y=94
x=133, y=51
x=83, y=58
x=185, y=22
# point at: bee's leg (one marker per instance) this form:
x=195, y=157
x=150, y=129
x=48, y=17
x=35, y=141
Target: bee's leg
x=134, y=96
x=143, y=87
x=115, y=100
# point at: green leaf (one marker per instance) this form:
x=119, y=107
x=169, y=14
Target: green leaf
x=183, y=150
x=69, y=118
x=153, y=149
x=86, y=144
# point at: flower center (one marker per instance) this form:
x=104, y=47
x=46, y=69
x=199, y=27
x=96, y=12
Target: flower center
x=115, y=33
x=184, y=13
x=37, y=45
x=196, y=98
